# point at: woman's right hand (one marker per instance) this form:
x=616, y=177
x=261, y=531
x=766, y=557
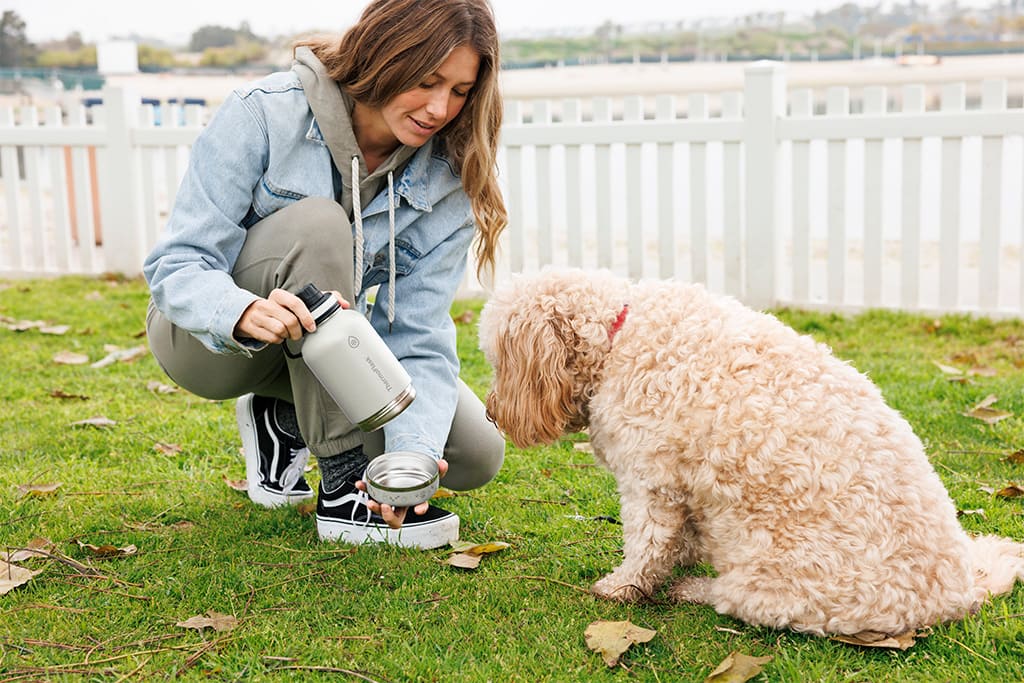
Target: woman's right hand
x=279, y=317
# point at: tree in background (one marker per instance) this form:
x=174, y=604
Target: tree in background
x=15, y=49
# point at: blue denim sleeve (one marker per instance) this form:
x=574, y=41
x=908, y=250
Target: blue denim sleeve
x=423, y=336
x=189, y=270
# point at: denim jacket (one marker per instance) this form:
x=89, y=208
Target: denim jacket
x=229, y=186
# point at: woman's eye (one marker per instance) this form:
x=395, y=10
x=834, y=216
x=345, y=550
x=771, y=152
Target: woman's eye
x=461, y=93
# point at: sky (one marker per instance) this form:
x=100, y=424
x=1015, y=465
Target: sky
x=175, y=21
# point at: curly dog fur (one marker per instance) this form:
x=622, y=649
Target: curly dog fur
x=737, y=442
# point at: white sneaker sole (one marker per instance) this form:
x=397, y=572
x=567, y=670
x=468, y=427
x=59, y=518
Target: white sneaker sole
x=425, y=536
x=258, y=494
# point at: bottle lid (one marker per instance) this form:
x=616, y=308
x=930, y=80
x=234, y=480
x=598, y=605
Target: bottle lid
x=313, y=298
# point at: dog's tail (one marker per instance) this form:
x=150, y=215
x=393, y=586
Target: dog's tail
x=998, y=564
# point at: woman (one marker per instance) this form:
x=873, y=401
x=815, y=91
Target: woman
x=370, y=162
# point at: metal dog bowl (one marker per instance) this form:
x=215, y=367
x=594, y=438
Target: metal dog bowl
x=402, y=478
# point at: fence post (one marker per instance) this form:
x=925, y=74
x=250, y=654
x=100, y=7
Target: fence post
x=120, y=192
x=764, y=104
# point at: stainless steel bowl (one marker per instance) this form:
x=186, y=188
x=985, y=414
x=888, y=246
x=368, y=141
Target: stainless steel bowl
x=402, y=478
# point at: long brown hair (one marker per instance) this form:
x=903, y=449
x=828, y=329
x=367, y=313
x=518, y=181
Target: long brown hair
x=393, y=48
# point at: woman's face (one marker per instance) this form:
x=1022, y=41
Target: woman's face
x=415, y=115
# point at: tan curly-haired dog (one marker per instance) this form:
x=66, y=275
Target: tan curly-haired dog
x=737, y=442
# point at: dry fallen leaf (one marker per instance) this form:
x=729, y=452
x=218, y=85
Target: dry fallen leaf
x=971, y=513
x=583, y=446
x=107, y=550
x=902, y=641
x=982, y=372
x=60, y=393
x=99, y=421
x=31, y=549
x=12, y=576
x=613, y=638
x=986, y=413
x=1017, y=457
x=37, y=489
x=116, y=355
x=167, y=448
x=214, y=620
x=737, y=668
x=160, y=387
x=237, y=484
x=465, y=318
x=464, y=561
x=70, y=358
x=468, y=555
x=55, y=329
x=1011, y=491
x=948, y=369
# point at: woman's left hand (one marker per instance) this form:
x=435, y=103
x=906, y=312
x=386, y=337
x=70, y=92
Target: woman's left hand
x=395, y=517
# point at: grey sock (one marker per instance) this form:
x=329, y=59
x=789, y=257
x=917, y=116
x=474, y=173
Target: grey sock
x=343, y=468
x=284, y=414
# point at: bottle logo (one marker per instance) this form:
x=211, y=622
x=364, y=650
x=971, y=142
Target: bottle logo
x=353, y=342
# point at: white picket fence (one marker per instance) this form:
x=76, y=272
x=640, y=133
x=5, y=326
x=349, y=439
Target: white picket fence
x=759, y=194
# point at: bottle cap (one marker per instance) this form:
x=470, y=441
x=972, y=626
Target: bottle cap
x=314, y=299
x=311, y=296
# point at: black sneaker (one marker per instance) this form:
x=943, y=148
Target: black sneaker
x=342, y=515
x=274, y=459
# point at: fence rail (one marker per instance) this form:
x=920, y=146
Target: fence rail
x=776, y=197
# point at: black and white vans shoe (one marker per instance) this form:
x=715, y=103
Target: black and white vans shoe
x=342, y=515
x=274, y=459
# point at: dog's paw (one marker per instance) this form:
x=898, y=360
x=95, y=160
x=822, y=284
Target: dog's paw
x=612, y=587
x=690, y=589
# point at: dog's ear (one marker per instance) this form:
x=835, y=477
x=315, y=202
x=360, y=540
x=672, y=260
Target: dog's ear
x=531, y=399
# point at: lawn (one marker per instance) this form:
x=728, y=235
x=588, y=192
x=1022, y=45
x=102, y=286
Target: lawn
x=142, y=530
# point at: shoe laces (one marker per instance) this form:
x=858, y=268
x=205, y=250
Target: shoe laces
x=362, y=500
x=296, y=468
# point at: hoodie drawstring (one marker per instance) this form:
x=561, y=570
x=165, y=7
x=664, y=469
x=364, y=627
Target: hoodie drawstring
x=357, y=213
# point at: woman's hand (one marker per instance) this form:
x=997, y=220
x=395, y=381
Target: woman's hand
x=395, y=517
x=279, y=317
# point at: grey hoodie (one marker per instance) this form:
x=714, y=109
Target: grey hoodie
x=332, y=110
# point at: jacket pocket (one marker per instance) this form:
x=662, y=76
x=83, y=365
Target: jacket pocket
x=267, y=198
x=406, y=257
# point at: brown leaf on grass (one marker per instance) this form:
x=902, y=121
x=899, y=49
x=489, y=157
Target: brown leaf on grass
x=468, y=555
x=1011, y=491
x=986, y=413
x=982, y=372
x=12, y=576
x=107, y=550
x=116, y=355
x=55, y=329
x=37, y=489
x=29, y=551
x=737, y=668
x=237, y=484
x=98, y=421
x=60, y=393
x=948, y=369
x=465, y=318
x=1017, y=457
x=215, y=620
x=306, y=509
x=25, y=325
x=932, y=326
x=971, y=513
x=167, y=448
x=583, y=447
x=70, y=358
x=612, y=638
x=903, y=641
x=160, y=387
x=464, y=561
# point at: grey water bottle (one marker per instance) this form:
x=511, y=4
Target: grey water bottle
x=353, y=363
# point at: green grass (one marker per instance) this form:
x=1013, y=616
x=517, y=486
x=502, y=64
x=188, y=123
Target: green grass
x=397, y=615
